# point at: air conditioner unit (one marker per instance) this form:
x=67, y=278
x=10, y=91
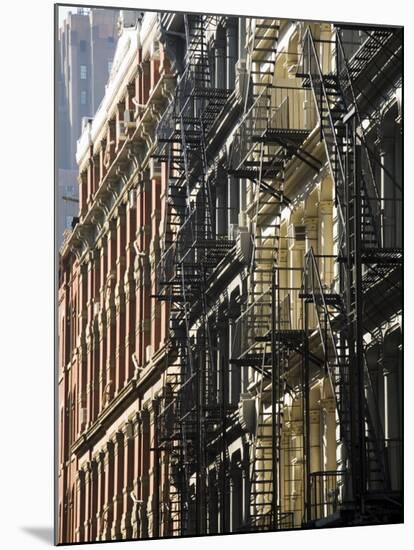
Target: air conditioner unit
x=297, y=236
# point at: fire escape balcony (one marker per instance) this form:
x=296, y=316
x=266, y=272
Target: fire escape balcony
x=278, y=119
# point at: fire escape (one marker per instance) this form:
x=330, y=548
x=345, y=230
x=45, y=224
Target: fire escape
x=347, y=100
x=271, y=330
x=268, y=137
x=191, y=413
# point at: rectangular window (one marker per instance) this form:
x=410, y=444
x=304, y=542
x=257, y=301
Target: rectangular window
x=69, y=222
x=109, y=67
x=83, y=97
x=82, y=45
x=83, y=72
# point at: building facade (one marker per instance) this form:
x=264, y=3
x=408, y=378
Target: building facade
x=85, y=50
x=230, y=300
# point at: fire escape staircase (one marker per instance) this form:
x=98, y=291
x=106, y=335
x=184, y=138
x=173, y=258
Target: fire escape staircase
x=359, y=211
x=189, y=253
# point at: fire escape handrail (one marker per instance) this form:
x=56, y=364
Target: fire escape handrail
x=310, y=259
x=361, y=135
x=308, y=39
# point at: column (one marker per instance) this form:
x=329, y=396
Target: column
x=387, y=223
x=100, y=523
x=231, y=51
x=241, y=71
x=154, y=68
x=235, y=500
x=233, y=200
x=162, y=235
x=144, y=474
x=95, y=382
x=94, y=481
x=88, y=501
x=311, y=223
x=315, y=434
x=95, y=350
x=79, y=506
x=107, y=513
x=314, y=440
x=110, y=315
x=128, y=483
x=146, y=266
x=296, y=255
x=328, y=430
x=393, y=421
x=326, y=241
x=138, y=87
x=82, y=350
x=155, y=254
x=220, y=60
x=137, y=478
x=119, y=131
x=153, y=496
x=120, y=299
x=90, y=343
x=102, y=167
x=83, y=192
x=102, y=322
x=118, y=485
x=129, y=285
x=89, y=177
x=221, y=203
x=145, y=81
x=235, y=372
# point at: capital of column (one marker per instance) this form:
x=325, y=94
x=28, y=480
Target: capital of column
x=325, y=207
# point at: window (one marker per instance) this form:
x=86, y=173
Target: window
x=83, y=72
x=82, y=45
x=83, y=97
x=69, y=222
x=109, y=67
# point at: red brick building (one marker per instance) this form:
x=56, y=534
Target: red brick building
x=112, y=333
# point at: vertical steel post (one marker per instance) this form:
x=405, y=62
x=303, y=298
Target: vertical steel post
x=358, y=327
x=306, y=427
x=275, y=391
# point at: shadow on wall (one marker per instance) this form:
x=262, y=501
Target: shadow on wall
x=43, y=533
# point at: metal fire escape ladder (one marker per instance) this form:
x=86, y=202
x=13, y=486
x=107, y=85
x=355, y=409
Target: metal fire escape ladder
x=263, y=36
x=261, y=455
x=372, y=202
x=359, y=234
x=330, y=109
x=333, y=329
x=336, y=353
